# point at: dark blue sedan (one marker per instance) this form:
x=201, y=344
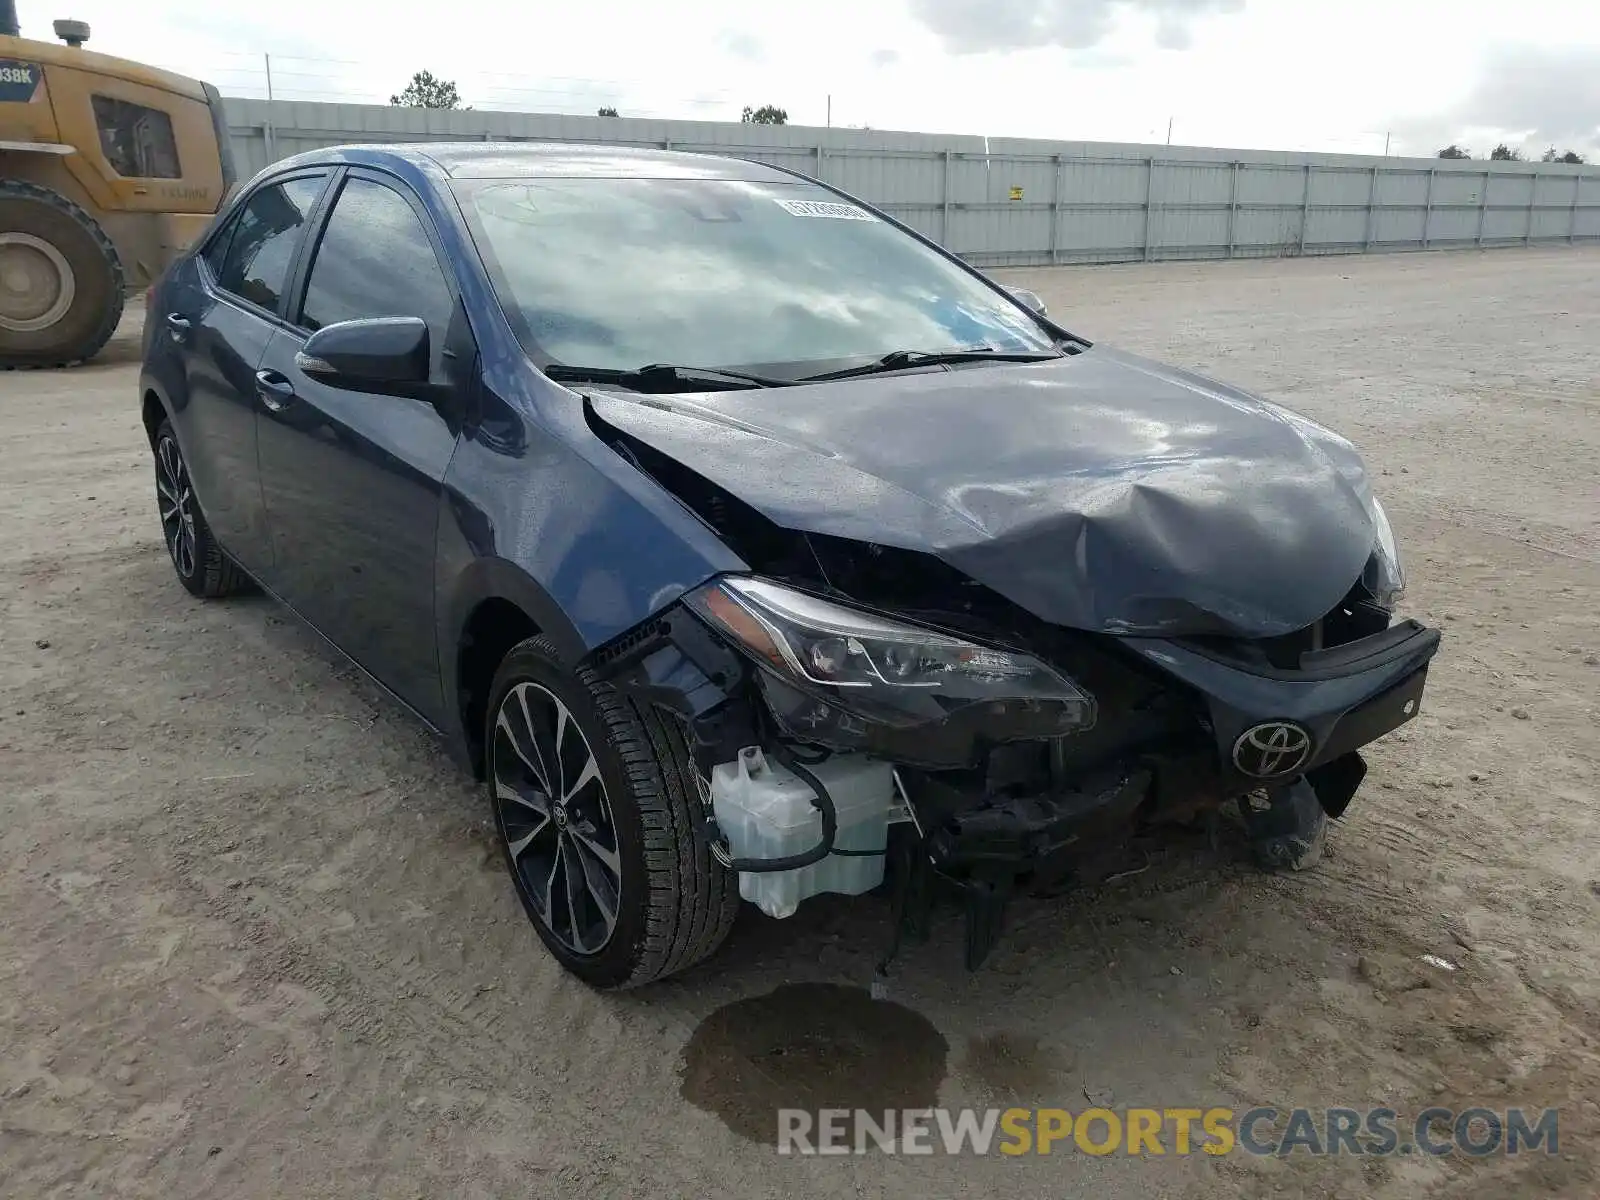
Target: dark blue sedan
x=748, y=544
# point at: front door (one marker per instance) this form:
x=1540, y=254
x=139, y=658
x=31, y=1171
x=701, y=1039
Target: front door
x=353, y=480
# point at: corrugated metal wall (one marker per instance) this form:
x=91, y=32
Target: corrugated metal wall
x=1016, y=202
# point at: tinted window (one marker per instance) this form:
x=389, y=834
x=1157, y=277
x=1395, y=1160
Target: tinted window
x=137, y=141
x=265, y=238
x=375, y=261
x=710, y=272
x=216, y=251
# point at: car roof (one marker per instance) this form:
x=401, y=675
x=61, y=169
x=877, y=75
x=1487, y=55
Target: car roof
x=516, y=160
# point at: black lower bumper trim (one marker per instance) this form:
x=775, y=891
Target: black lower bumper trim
x=1018, y=833
x=1382, y=714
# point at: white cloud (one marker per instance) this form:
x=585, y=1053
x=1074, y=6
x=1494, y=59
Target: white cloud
x=974, y=26
x=742, y=44
x=1528, y=96
x=1249, y=73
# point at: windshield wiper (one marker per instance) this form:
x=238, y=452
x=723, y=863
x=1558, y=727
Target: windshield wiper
x=662, y=377
x=898, y=360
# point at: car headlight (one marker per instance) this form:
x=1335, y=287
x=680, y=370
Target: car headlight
x=882, y=671
x=1384, y=577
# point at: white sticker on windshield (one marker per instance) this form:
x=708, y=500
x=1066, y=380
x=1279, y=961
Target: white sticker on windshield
x=824, y=208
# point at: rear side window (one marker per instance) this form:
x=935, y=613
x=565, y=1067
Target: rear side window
x=216, y=251
x=375, y=260
x=262, y=243
x=137, y=141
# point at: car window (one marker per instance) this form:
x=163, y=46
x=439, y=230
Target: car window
x=618, y=273
x=216, y=250
x=137, y=141
x=264, y=240
x=375, y=260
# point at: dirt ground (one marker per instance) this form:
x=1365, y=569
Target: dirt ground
x=255, y=940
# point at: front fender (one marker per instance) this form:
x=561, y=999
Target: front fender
x=492, y=578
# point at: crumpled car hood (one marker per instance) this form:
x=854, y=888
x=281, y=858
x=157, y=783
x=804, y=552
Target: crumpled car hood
x=1099, y=491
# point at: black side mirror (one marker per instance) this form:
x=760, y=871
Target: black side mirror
x=377, y=354
x=1028, y=300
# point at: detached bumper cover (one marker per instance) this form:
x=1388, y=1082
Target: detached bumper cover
x=1341, y=698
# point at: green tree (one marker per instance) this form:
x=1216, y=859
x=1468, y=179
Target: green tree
x=1504, y=153
x=1454, y=151
x=607, y=111
x=427, y=91
x=1571, y=156
x=767, y=114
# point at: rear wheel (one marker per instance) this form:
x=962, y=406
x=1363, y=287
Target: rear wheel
x=598, y=814
x=61, y=283
x=201, y=565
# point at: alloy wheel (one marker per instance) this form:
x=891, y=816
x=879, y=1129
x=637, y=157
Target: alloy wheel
x=554, y=814
x=176, y=500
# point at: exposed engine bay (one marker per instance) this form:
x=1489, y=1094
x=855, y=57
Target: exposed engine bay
x=859, y=708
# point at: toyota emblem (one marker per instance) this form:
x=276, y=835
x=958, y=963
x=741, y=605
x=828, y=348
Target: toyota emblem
x=1272, y=749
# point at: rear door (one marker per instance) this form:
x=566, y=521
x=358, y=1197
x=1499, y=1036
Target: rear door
x=224, y=309
x=353, y=480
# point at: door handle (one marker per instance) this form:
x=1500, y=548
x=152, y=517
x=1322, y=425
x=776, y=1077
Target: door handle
x=178, y=326
x=275, y=390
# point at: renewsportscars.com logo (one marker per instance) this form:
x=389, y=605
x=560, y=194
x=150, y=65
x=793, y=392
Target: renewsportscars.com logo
x=1476, y=1132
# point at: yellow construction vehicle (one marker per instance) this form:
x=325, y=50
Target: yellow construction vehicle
x=108, y=169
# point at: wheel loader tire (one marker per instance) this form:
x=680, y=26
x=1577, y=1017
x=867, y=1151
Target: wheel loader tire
x=61, y=283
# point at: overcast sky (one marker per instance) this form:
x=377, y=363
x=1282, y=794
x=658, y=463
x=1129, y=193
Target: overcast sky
x=1275, y=74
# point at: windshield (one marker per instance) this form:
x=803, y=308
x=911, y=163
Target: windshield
x=621, y=273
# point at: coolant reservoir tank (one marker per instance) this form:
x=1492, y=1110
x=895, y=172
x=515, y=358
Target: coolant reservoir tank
x=767, y=811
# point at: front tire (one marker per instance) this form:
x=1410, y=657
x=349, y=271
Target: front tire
x=598, y=814
x=201, y=565
x=62, y=285
x=1286, y=826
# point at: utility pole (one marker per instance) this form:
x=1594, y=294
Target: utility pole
x=830, y=110
x=1169, y=131
x=268, y=132
x=1386, y=144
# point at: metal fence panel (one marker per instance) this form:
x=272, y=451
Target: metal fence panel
x=1342, y=186
x=1266, y=230
x=1400, y=225
x=1267, y=184
x=1086, y=234
x=1453, y=226
x=1338, y=228
x=1014, y=201
x=1586, y=213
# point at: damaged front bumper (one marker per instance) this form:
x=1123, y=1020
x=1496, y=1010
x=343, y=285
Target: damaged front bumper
x=1272, y=722
x=1272, y=733
x=997, y=806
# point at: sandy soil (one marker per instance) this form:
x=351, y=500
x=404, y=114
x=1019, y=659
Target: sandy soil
x=256, y=941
